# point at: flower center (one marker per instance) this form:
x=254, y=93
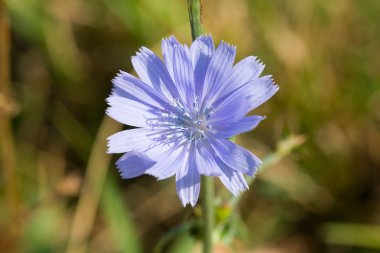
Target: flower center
x=183, y=123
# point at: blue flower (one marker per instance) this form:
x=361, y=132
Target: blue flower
x=185, y=109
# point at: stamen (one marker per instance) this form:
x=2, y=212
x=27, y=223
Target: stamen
x=196, y=105
x=182, y=124
x=209, y=111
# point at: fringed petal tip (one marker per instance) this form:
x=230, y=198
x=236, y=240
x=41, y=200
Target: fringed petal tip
x=271, y=82
x=234, y=182
x=188, y=182
x=204, y=38
x=108, y=145
x=192, y=203
x=170, y=39
x=186, y=200
x=133, y=164
x=224, y=43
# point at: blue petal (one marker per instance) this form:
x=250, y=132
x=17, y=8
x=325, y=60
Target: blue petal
x=133, y=164
x=234, y=128
x=183, y=73
x=218, y=69
x=234, y=156
x=167, y=46
x=263, y=89
x=178, y=62
x=128, y=86
x=243, y=72
x=142, y=155
x=188, y=181
x=234, y=181
x=139, y=139
x=129, y=112
x=168, y=162
x=205, y=160
x=229, y=110
x=247, y=98
x=201, y=51
x=152, y=71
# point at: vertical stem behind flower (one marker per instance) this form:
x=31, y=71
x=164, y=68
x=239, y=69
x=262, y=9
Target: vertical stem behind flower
x=195, y=16
x=207, y=189
x=207, y=184
x=6, y=136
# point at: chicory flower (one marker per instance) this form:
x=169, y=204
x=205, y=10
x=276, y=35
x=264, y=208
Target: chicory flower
x=185, y=108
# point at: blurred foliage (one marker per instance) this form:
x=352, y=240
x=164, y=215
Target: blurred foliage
x=323, y=197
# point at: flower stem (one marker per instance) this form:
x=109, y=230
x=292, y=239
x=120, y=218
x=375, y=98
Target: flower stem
x=7, y=145
x=208, y=212
x=207, y=188
x=195, y=16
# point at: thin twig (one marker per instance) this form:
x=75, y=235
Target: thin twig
x=92, y=187
x=7, y=145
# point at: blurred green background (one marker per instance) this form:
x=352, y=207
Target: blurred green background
x=63, y=193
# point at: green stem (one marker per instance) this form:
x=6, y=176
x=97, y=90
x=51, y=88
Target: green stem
x=208, y=212
x=195, y=16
